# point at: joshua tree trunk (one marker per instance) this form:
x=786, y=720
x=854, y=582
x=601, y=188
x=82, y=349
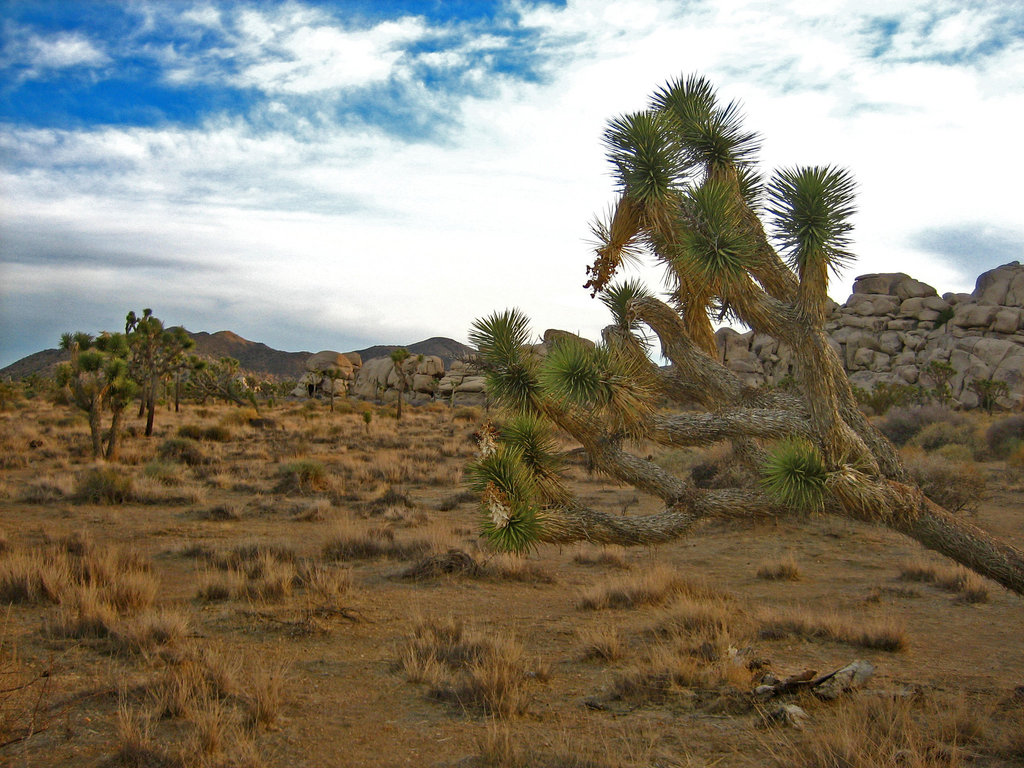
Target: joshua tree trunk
x=689, y=196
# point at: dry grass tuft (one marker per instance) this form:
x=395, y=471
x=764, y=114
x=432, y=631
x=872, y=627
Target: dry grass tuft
x=784, y=569
x=609, y=557
x=920, y=732
x=877, y=634
x=483, y=673
x=967, y=585
x=352, y=541
x=653, y=587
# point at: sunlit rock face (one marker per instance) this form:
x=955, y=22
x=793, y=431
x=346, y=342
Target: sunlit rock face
x=893, y=326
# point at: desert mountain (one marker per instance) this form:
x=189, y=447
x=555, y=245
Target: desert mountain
x=253, y=356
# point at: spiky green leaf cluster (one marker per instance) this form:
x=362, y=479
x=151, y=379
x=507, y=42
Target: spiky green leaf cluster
x=510, y=369
x=509, y=517
x=810, y=210
x=645, y=156
x=794, y=474
x=618, y=299
x=529, y=436
x=715, y=248
x=611, y=387
x=711, y=137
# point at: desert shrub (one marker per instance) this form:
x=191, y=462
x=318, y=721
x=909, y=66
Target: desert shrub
x=467, y=413
x=885, y=395
x=238, y=417
x=942, y=433
x=217, y=433
x=190, y=431
x=104, y=485
x=1005, y=436
x=304, y=475
x=485, y=673
x=783, y=569
x=901, y=424
x=163, y=472
x=956, y=486
x=182, y=449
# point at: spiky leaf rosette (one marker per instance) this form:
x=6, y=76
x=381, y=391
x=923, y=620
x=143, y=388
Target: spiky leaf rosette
x=810, y=210
x=645, y=157
x=710, y=136
x=509, y=520
x=794, y=474
x=618, y=299
x=530, y=437
x=510, y=369
x=714, y=244
x=613, y=388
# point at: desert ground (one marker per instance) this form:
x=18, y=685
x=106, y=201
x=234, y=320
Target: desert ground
x=307, y=587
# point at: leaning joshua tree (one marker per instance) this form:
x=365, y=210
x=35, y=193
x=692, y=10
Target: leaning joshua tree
x=733, y=245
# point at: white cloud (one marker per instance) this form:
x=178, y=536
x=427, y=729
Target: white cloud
x=361, y=234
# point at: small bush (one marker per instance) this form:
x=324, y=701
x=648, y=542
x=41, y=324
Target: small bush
x=164, y=472
x=1005, y=436
x=217, y=433
x=182, y=449
x=304, y=476
x=190, y=431
x=942, y=433
x=959, y=487
x=104, y=485
x=901, y=424
x=785, y=569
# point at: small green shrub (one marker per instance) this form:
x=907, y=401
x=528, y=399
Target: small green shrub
x=304, y=476
x=959, y=487
x=104, y=485
x=1005, y=435
x=901, y=424
x=217, y=433
x=164, y=472
x=190, y=431
x=183, y=450
x=941, y=433
x=886, y=395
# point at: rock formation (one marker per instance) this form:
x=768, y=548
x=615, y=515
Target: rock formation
x=889, y=330
x=893, y=326
x=317, y=377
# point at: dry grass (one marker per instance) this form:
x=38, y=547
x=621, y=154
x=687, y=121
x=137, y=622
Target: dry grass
x=967, y=585
x=783, y=569
x=920, y=732
x=653, y=587
x=604, y=557
x=352, y=540
x=885, y=634
x=196, y=641
x=481, y=673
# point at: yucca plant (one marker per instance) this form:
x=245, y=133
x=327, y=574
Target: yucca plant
x=734, y=243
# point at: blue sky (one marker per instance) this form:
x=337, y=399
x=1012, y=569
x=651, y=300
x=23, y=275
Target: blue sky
x=322, y=175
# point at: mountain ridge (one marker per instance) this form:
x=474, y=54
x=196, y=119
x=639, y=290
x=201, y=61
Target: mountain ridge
x=253, y=356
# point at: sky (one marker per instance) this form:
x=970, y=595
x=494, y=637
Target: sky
x=329, y=175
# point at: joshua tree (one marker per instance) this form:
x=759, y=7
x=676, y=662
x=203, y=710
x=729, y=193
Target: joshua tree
x=156, y=353
x=334, y=374
x=98, y=379
x=399, y=356
x=689, y=194
x=220, y=380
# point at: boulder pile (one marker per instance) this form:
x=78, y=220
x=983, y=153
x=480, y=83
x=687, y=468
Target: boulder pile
x=889, y=330
x=328, y=371
x=893, y=326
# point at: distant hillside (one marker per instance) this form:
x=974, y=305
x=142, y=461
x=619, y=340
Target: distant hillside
x=252, y=355
x=445, y=348
x=43, y=363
